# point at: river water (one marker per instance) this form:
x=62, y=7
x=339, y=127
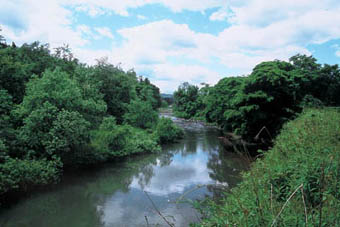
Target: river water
x=131, y=192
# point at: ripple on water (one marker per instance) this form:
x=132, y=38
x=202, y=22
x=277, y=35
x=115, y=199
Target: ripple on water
x=114, y=194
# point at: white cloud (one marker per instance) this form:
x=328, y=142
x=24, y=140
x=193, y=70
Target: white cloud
x=90, y=10
x=258, y=31
x=337, y=53
x=46, y=21
x=337, y=49
x=95, y=7
x=239, y=47
x=141, y=17
x=193, y=5
x=90, y=56
x=84, y=29
x=220, y=15
x=169, y=76
x=263, y=13
x=105, y=31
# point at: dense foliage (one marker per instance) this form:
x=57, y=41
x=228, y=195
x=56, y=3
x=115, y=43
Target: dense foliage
x=271, y=95
x=295, y=184
x=56, y=113
x=186, y=101
x=167, y=131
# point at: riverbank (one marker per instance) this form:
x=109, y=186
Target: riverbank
x=296, y=182
x=109, y=195
x=111, y=144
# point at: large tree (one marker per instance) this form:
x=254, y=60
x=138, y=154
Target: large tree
x=55, y=115
x=185, y=100
x=117, y=87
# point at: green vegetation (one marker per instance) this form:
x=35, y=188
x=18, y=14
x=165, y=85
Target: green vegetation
x=296, y=183
x=167, y=131
x=169, y=98
x=186, y=101
x=140, y=114
x=272, y=94
x=57, y=113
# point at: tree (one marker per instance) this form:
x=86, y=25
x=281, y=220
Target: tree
x=140, y=114
x=65, y=58
x=185, y=100
x=117, y=87
x=53, y=103
x=270, y=97
x=219, y=99
x=2, y=41
x=149, y=93
x=321, y=82
x=14, y=73
x=6, y=128
x=329, y=85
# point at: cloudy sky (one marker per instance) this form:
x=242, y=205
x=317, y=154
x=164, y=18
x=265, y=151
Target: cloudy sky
x=173, y=41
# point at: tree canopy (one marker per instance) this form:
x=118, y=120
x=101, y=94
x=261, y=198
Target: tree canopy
x=273, y=93
x=58, y=113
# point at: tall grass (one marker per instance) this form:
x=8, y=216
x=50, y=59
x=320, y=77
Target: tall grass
x=296, y=183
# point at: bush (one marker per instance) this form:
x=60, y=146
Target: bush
x=16, y=174
x=302, y=170
x=164, y=104
x=113, y=140
x=167, y=132
x=311, y=102
x=141, y=114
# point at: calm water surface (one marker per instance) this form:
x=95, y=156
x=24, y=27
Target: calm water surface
x=114, y=195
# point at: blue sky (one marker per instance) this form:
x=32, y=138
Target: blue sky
x=179, y=40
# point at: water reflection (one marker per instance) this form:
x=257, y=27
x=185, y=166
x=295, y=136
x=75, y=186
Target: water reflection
x=114, y=195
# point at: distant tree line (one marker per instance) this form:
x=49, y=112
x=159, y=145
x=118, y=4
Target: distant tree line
x=168, y=98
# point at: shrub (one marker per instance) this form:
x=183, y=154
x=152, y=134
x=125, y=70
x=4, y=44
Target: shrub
x=167, y=132
x=113, y=140
x=311, y=102
x=141, y=114
x=16, y=174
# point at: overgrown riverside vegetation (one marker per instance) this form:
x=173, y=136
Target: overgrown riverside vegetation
x=272, y=94
x=57, y=113
x=296, y=183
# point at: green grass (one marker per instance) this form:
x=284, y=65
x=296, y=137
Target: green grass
x=296, y=183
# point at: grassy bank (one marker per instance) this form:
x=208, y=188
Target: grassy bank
x=296, y=183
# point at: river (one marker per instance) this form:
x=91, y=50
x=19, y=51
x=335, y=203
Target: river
x=131, y=192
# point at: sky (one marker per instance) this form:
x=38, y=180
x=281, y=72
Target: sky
x=176, y=41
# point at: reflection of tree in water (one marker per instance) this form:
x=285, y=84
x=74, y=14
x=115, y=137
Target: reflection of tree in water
x=190, y=144
x=174, y=148
x=196, y=137
x=210, y=142
x=165, y=159
x=146, y=172
x=226, y=170
x=56, y=208
x=80, y=198
x=144, y=177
